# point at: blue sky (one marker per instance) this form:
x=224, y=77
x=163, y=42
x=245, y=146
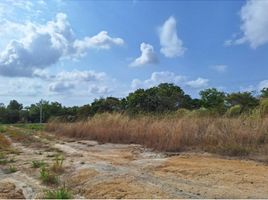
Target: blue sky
x=77, y=50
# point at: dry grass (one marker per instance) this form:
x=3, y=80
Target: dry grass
x=228, y=136
x=4, y=142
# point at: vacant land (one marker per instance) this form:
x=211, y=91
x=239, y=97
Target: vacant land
x=35, y=163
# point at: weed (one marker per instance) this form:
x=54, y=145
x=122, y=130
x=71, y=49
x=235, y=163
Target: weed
x=57, y=166
x=38, y=164
x=47, y=177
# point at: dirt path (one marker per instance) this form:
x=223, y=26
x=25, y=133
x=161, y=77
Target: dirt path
x=95, y=170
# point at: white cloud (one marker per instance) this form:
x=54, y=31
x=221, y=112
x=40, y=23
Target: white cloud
x=171, y=44
x=148, y=56
x=263, y=84
x=198, y=83
x=100, y=41
x=254, y=27
x=220, y=68
x=61, y=87
x=66, y=81
x=157, y=78
x=95, y=89
x=44, y=45
x=79, y=76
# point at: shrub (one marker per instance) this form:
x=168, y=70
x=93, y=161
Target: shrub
x=201, y=112
x=234, y=111
x=182, y=112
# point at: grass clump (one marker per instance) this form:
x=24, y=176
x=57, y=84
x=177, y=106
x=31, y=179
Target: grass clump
x=57, y=166
x=61, y=193
x=48, y=177
x=11, y=169
x=38, y=164
x=4, y=160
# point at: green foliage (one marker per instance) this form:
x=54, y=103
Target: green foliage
x=2, y=129
x=182, y=112
x=38, y=164
x=47, y=176
x=61, y=193
x=164, y=98
x=245, y=99
x=35, y=127
x=213, y=100
x=234, y=111
x=201, y=112
x=264, y=93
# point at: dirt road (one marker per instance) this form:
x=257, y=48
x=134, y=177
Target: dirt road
x=95, y=170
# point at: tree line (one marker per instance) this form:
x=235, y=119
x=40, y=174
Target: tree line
x=160, y=99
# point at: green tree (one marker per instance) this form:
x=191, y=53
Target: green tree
x=245, y=99
x=14, y=105
x=162, y=98
x=213, y=99
x=109, y=104
x=264, y=93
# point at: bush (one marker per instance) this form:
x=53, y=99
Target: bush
x=234, y=111
x=182, y=112
x=201, y=112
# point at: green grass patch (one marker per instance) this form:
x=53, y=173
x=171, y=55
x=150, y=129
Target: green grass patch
x=34, y=127
x=61, y=193
x=3, y=129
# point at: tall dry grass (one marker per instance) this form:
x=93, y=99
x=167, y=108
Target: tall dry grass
x=230, y=136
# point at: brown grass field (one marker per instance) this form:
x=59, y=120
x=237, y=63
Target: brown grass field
x=240, y=136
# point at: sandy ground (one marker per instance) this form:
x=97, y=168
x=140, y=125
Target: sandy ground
x=95, y=170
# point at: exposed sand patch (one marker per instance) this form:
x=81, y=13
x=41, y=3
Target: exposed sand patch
x=213, y=177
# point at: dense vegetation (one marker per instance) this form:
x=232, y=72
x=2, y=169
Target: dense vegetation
x=165, y=98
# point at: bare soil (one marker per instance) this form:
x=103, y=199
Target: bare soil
x=93, y=170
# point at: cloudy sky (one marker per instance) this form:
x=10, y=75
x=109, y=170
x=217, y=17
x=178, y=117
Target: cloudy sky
x=74, y=51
